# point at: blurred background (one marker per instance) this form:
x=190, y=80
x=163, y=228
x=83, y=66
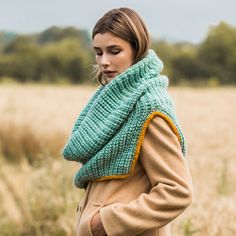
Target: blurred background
x=46, y=60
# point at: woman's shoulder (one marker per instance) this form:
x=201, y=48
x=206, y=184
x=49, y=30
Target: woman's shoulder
x=160, y=134
x=161, y=124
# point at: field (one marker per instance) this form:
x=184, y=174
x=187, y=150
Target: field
x=36, y=191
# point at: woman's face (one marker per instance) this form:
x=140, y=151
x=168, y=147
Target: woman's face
x=113, y=54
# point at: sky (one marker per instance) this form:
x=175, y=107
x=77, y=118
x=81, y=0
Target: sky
x=173, y=20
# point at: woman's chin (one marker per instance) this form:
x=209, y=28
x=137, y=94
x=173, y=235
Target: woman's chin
x=110, y=78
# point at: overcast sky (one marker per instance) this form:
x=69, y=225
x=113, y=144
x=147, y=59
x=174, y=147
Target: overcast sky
x=181, y=20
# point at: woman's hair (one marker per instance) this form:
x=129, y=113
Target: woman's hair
x=126, y=24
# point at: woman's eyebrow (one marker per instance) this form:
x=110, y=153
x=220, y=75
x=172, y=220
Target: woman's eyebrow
x=109, y=47
x=96, y=48
x=113, y=46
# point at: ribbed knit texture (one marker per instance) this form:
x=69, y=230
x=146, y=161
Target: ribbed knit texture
x=106, y=134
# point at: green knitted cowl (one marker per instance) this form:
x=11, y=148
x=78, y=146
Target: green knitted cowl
x=107, y=136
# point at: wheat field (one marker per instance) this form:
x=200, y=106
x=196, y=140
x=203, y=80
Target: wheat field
x=36, y=191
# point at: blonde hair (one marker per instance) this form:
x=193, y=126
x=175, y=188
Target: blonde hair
x=124, y=23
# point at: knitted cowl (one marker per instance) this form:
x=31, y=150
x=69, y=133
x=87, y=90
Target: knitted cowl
x=108, y=134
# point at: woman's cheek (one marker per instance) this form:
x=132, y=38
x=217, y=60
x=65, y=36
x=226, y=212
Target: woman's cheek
x=97, y=59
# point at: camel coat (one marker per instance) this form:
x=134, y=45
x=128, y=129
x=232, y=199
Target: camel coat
x=144, y=204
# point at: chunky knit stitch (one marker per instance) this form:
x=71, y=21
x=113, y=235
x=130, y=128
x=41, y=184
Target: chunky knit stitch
x=107, y=136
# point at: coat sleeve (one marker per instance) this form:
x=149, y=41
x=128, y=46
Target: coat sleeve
x=171, y=182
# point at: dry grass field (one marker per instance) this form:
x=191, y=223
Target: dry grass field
x=36, y=191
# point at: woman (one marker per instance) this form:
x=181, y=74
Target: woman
x=128, y=139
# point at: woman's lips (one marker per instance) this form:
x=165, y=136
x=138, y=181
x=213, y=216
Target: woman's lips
x=110, y=74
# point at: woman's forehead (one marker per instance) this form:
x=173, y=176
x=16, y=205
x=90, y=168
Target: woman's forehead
x=108, y=40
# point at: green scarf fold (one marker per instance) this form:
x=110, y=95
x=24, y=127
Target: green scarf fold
x=108, y=134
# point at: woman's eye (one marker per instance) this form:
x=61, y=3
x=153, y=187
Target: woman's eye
x=115, y=52
x=98, y=53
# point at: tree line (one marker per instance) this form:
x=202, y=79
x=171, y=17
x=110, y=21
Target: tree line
x=65, y=55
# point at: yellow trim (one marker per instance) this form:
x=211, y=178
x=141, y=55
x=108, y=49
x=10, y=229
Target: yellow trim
x=140, y=141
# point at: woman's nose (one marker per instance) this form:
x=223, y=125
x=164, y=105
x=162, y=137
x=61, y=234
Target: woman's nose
x=105, y=60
